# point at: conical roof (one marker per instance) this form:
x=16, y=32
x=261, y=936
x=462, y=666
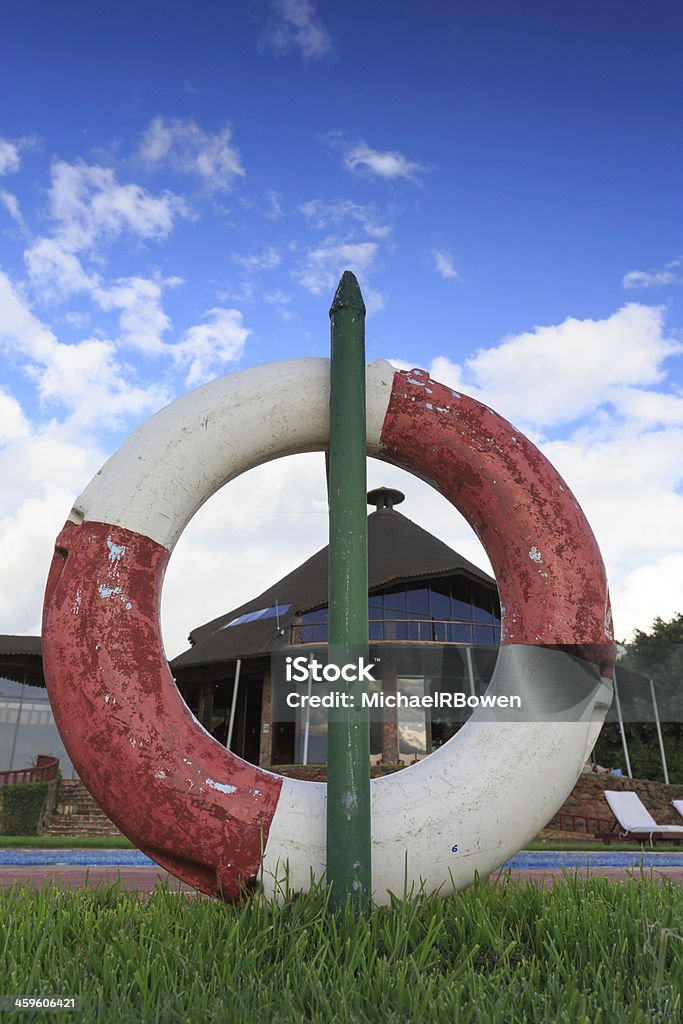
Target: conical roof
x=398, y=551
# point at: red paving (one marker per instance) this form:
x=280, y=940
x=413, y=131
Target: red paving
x=145, y=879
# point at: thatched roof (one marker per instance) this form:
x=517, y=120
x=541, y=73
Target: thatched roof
x=399, y=551
x=21, y=659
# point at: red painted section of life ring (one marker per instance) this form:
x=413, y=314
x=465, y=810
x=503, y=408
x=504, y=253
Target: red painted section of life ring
x=545, y=558
x=197, y=809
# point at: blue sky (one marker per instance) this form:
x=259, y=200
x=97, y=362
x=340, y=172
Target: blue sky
x=181, y=185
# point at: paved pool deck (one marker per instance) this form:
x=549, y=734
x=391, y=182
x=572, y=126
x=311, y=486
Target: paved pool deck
x=145, y=879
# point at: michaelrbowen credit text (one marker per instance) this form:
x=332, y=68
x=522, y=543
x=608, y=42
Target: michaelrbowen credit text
x=439, y=700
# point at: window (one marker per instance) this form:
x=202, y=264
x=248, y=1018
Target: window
x=262, y=613
x=447, y=611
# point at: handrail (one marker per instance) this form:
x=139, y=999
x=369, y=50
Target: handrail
x=44, y=770
x=427, y=630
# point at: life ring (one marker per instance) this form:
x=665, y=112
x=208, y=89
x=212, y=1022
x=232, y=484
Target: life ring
x=222, y=824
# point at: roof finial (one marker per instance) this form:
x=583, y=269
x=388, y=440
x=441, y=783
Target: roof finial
x=385, y=497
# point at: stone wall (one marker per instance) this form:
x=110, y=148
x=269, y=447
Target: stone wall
x=587, y=801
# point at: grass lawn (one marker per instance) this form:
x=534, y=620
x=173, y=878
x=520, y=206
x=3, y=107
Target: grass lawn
x=583, y=952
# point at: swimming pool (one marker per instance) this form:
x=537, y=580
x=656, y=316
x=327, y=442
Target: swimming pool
x=549, y=859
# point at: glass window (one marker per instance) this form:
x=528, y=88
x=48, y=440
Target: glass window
x=483, y=635
x=319, y=615
x=375, y=630
x=396, y=600
x=412, y=629
x=313, y=633
x=27, y=728
x=441, y=606
x=397, y=630
x=262, y=613
x=482, y=614
x=483, y=664
x=376, y=607
x=459, y=633
x=412, y=722
x=441, y=632
x=418, y=603
x=461, y=609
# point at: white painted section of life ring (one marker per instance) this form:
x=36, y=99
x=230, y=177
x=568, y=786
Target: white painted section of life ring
x=165, y=471
x=486, y=792
x=470, y=805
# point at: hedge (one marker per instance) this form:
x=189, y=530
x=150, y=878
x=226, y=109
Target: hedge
x=21, y=808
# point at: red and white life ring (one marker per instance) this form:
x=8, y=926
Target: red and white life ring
x=222, y=824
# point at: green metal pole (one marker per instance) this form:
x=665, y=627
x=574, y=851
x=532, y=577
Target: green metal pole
x=348, y=738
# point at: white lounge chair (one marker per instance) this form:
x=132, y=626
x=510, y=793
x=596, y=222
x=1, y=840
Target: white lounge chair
x=678, y=804
x=635, y=820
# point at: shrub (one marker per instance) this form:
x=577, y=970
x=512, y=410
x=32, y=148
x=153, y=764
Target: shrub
x=21, y=808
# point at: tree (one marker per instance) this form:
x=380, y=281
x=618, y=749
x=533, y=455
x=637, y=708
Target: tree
x=658, y=655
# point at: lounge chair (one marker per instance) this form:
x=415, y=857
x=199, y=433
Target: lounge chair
x=634, y=821
x=678, y=805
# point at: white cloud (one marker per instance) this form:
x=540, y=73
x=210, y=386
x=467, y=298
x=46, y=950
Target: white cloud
x=90, y=208
x=321, y=215
x=40, y=476
x=13, y=423
x=27, y=540
x=269, y=205
x=651, y=590
x=55, y=272
x=387, y=164
x=90, y=205
x=10, y=160
x=11, y=204
x=650, y=408
x=143, y=321
x=84, y=378
x=184, y=146
x=443, y=261
x=272, y=205
x=278, y=298
x=324, y=265
x=212, y=345
x=87, y=379
x=558, y=374
x=654, y=278
x=627, y=479
x=267, y=259
x=294, y=25
x=79, y=321
x=19, y=329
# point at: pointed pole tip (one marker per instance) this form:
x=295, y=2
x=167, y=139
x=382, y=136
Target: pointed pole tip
x=348, y=294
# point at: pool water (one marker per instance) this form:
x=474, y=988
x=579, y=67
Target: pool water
x=525, y=859
x=594, y=859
